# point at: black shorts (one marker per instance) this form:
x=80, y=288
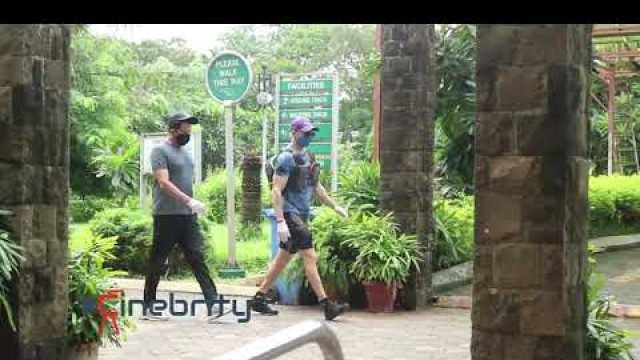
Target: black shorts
x=301, y=238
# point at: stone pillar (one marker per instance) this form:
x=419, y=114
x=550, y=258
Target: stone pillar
x=34, y=183
x=529, y=299
x=408, y=90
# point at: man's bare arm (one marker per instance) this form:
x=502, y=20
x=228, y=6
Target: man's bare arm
x=162, y=177
x=324, y=197
x=279, y=183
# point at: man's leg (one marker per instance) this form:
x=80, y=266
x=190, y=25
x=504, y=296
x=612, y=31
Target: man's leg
x=280, y=262
x=310, y=261
x=192, y=245
x=164, y=238
x=304, y=242
x=259, y=302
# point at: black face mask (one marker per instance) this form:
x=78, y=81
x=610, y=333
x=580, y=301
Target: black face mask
x=182, y=139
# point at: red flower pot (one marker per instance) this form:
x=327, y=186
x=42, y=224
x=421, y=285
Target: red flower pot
x=380, y=296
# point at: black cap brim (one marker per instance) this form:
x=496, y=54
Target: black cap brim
x=175, y=120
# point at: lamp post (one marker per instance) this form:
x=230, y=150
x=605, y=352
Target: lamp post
x=264, y=100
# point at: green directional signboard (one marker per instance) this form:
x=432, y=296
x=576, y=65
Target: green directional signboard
x=313, y=96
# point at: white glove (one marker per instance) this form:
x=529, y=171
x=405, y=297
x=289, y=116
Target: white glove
x=197, y=207
x=341, y=211
x=283, y=231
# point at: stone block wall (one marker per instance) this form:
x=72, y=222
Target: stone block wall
x=531, y=173
x=34, y=182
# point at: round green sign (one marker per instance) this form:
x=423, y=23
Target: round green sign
x=228, y=77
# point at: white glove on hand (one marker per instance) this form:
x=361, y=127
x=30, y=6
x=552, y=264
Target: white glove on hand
x=341, y=211
x=283, y=231
x=197, y=207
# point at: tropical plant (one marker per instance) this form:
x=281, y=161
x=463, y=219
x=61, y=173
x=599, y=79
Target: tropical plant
x=10, y=258
x=605, y=340
x=334, y=258
x=453, y=241
x=88, y=279
x=360, y=184
x=384, y=254
x=456, y=106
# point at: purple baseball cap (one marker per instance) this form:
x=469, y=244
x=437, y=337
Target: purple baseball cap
x=301, y=123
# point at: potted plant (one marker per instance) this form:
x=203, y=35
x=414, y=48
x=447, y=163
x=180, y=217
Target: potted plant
x=88, y=280
x=385, y=258
x=334, y=258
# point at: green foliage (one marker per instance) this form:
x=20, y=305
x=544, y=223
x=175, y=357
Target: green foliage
x=10, y=259
x=384, y=254
x=83, y=209
x=133, y=233
x=213, y=192
x=614, y=204
x=134, y=236
x=88, y=278
x=249, y=231
x=335, y=257
x=456, y=107
x=605, y=340
x=454, y=232
x=360, y=184
x=363, y=247
x=253, y=248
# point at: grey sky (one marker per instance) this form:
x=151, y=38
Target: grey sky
x=200, y=37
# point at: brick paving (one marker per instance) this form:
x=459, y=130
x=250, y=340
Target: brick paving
x=435, y=334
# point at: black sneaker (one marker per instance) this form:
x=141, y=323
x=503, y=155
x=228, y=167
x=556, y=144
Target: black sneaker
x=333, y=310
x=260, y=304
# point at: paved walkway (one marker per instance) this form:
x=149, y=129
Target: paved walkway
x=435, y=334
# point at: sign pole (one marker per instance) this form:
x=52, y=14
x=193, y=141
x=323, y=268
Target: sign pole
x=264, y=143
x=228, y=79
x=334, y=135
x=231, y=183
x=143, y=183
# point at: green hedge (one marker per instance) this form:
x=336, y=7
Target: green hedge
x=453, y=220
x=84, y=209
x=614, y=205
x=213, y=192
x=134, y=232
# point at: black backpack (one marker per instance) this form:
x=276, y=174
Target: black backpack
x=297, y=177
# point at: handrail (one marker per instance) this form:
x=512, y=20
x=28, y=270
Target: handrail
x=289, y=339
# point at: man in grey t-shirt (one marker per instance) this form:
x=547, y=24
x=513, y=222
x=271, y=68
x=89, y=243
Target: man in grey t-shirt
x=175, y=212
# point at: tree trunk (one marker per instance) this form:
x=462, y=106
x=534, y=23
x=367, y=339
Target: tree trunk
x=251, y=189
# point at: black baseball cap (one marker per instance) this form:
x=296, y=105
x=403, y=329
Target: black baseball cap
x=175, y=119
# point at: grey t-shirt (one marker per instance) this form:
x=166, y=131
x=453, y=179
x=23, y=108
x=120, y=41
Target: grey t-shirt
x=178, y=161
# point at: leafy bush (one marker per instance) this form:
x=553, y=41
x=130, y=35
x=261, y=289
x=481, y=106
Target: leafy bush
x=360, y=184
x=614, y=205
x=84, y=209
x=605, y=340
x=453, y=220
x=352, y=250
x=134, y=233
x=248, y=231
x=334, y=257
x=213, y=192
x=89, y=277
x=384, y=254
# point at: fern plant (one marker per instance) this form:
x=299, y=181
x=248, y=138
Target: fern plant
x=605, y=340
x=10, y=258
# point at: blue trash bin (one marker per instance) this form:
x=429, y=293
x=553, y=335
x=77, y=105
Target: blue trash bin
x=288, y=292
